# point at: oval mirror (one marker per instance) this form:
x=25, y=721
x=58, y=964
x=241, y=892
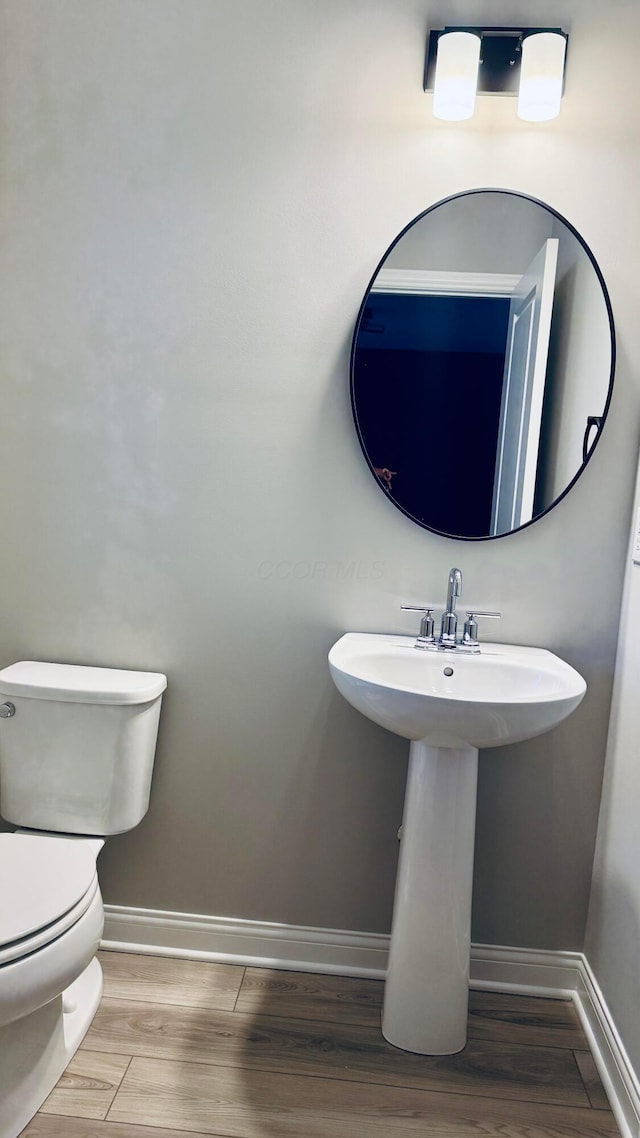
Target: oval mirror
x=482, y=364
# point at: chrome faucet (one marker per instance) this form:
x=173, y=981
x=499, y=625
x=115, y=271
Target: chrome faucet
x=448, y=639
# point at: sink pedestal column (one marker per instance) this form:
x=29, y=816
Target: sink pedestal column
x=427, y=987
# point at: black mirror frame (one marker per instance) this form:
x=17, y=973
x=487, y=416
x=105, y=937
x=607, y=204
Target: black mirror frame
x=603, y=417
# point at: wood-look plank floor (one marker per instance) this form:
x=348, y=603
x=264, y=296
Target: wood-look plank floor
x=182, y=1047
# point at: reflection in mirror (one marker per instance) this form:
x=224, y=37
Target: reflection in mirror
x=482, y=364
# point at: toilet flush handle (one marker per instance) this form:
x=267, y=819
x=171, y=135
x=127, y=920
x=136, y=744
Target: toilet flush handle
x=7, y=710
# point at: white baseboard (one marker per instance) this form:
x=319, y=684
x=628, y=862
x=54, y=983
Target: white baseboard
x=559, y=975
x=525, y=970
x=616, y=1071
x=262, y=944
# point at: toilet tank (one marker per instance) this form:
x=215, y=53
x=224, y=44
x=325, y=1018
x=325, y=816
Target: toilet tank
x=77, y=754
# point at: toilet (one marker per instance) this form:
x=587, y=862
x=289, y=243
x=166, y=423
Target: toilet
x=77, y=746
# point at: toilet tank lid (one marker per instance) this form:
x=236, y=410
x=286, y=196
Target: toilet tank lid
x=75, y=683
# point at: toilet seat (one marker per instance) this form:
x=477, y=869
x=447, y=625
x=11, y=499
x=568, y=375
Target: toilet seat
x=26, y=945
x=47, y=883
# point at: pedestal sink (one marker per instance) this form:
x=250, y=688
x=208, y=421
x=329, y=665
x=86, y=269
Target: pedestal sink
x=448, y=704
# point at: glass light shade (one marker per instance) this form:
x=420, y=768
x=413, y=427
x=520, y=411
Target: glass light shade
x=541, y=76
x=456, y=78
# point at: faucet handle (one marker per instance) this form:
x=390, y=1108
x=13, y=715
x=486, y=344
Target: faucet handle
x=427, y=629
x=470, y=632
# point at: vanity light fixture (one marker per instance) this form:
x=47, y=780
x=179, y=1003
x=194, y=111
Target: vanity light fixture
x=527, y=62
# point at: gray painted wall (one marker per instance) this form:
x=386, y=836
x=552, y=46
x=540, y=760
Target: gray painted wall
x=194, y=197
x=613, y=928
x=481, y=233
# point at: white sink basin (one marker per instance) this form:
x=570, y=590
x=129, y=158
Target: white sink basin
x=503, y=695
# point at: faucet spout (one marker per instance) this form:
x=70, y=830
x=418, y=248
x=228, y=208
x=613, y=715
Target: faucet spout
x=454, y=589
x=449, y=625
